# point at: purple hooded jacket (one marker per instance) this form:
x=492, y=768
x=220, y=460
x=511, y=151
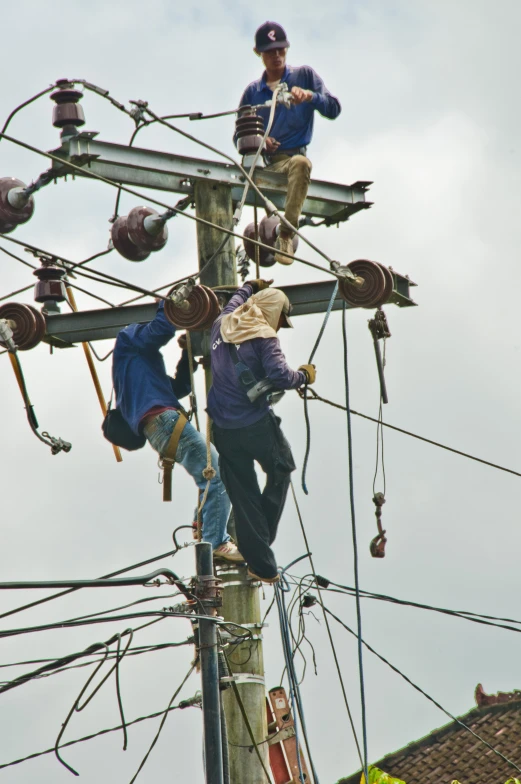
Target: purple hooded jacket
x=228, y=403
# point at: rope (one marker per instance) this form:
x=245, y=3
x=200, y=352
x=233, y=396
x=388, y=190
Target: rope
x=209, y=473
x=305, y=396
x=193, y=397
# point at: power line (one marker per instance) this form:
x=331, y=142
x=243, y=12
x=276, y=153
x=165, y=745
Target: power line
x=355, y=545
x=315, y=396
x=427, y=696
x=93, y=735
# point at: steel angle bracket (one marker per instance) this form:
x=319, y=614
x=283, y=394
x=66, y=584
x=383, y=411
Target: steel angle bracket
x=137, y=166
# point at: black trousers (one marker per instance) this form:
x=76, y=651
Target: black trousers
x=257, y=513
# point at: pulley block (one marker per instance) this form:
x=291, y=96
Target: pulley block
x=146, y=230
x=197, y=312
x=123, y=243
x=67, y=110
x=28, y=324
x=376, y=289
x=11, y=217
x=50, y=286
x=249, y=130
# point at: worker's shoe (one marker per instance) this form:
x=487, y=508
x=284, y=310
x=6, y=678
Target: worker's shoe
x=270, y=580
x=284, y=243
x=228, y=551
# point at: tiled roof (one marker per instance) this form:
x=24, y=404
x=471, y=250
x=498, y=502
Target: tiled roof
x=451, y=752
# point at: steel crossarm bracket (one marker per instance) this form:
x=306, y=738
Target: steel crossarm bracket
x=66, y=329
x=136, y=166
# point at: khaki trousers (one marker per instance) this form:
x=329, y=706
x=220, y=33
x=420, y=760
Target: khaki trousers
x=298, y=169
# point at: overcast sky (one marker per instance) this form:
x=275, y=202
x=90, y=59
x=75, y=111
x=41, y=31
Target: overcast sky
x=430, y=113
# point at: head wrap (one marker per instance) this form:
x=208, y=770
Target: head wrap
x=258, y=317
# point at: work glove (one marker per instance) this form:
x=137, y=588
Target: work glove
x=310, y=373
x=258, y=284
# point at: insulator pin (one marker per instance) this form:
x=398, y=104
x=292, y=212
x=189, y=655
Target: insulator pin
x=11, y=195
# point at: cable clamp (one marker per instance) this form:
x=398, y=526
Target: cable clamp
x=344, y=273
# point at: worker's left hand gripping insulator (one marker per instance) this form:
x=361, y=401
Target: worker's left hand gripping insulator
x=15, y=208
x=377, y=287
x=136, y=235
x=197, y=312
x=27, y=323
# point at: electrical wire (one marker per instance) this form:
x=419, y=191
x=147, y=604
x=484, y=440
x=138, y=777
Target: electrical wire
x=355, y=544
x=103, y=577
x=305, y=392
x=424, y=693
x=23, y=105
x=328, y=628
x=162, y=724
x=315, y=396
x=90, y=737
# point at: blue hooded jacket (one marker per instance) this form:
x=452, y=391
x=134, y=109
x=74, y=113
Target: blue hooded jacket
x=293, y=127
x=139, y=373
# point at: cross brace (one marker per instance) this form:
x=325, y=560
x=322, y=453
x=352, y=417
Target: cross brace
x=65, y=329
x=162, y=171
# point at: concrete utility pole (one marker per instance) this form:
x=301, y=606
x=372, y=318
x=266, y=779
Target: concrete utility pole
x=241, y=602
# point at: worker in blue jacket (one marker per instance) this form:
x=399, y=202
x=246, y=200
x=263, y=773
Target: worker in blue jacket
x=292, y=128
x=148, y=400
x=246, y=349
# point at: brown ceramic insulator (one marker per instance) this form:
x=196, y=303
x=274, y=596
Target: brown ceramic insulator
x=389, y=283
x=123, y=243
x=268, y=235
x=138, y=233
x=11, y=217
x=29, y=324
x=214, y=311
x=50, y=285
x=371, y=294
x=249, y=130
x=198, y=313
x=266, y=259
x=67, y=110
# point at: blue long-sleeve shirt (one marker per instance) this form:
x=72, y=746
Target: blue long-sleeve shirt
x=228, y=403
x=293, y=127
x=139, y=373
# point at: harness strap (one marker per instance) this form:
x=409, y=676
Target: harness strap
x=168, y=457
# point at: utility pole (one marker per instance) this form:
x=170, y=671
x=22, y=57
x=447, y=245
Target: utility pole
x=241, y=602
x=207, y=592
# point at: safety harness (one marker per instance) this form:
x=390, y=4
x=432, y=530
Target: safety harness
x=257, y=391
x=167, y=458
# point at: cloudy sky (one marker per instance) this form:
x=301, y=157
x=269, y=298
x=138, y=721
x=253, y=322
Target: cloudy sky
x=431, y=115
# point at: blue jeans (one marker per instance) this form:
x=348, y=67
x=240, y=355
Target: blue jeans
x=191, y=454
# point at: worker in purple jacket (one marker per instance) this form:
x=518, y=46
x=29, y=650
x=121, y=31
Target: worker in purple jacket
x=292, y=128
x=246, y=351
x=148, y=400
